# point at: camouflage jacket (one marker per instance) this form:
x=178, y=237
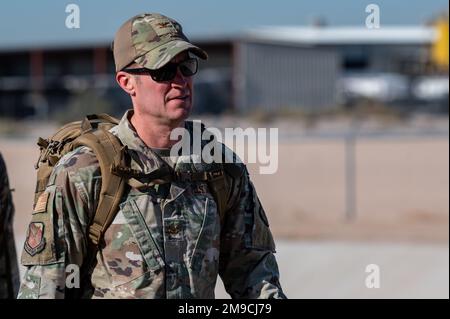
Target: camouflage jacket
x=9, y=272
x=165, y=242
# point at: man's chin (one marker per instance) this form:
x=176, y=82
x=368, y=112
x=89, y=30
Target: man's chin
x=180, y=114
x=178, y=109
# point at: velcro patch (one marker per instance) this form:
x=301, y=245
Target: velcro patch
x=41, y=204
x=35, y=241
x=163, y=27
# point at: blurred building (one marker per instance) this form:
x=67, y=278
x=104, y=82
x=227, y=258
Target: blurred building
x=38, y=81
x=309, y=68
x=316, y=68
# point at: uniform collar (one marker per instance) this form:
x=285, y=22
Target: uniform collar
x=143, y=158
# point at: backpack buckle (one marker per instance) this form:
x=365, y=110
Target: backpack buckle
x=213, y=175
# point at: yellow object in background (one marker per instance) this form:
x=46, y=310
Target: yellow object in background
x=439, y=51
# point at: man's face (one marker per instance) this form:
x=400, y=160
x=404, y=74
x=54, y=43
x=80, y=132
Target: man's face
x=169, y=101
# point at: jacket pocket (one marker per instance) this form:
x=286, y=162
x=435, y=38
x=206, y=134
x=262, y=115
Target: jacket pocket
x=205, y=253
x=121, y=255
x=204, y=261
x=146, y=242
x=130, y=256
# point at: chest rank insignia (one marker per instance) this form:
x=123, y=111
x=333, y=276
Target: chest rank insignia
x=200, y=189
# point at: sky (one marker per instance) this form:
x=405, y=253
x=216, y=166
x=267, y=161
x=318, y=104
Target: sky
x=25, y=23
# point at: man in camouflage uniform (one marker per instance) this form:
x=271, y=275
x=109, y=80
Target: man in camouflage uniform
x=9, y=272
x=167, y=240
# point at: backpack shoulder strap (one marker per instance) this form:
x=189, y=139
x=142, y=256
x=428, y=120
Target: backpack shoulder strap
x=220, y=187
x=220, y=190
x=110, y=153
x=218, y=184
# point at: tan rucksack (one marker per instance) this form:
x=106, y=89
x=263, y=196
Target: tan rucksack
x=93, y=132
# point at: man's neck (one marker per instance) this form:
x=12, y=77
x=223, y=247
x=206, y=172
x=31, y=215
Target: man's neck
x=154, y=133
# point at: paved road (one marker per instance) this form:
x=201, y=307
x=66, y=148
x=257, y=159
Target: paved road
x=337, y=270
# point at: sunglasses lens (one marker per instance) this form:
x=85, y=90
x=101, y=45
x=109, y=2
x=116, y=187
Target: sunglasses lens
x=189, y=67
x=168, y=72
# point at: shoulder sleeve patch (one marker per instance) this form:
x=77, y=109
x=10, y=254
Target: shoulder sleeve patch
x=39, y=245
x=35, y=241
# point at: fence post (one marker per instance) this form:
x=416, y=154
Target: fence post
x=350, y=173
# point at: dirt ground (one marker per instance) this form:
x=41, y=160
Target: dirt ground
x=401, y=191
x=402, y=188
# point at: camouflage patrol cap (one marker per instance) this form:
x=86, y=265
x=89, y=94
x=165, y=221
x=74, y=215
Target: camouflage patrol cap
x=151, y=40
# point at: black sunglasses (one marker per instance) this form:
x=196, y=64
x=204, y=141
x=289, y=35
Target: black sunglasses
x=168, y=72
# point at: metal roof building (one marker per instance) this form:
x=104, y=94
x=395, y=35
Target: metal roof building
x=298, y=67
x=268, y=68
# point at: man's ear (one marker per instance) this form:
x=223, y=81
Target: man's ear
x=126, y=82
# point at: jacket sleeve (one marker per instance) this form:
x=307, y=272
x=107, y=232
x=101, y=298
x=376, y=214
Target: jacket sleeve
x=248, y=266
x=56, y=235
